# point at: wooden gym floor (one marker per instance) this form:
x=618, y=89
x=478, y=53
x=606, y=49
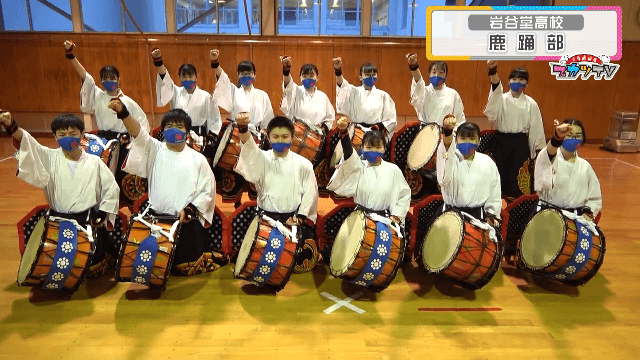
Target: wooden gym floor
x=213, y=316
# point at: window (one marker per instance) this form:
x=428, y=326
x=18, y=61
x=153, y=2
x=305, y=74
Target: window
x=420, y=15
x=110, y=16
x=37, y=15
x=391, y=17
x=218, y=16
x=313, y=17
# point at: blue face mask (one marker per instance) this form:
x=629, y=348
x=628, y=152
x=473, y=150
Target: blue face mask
x=309, y=83
x=110, y=85
x=246, y=80
x=373, y=156
x=571, y=145
x=466, y=148
x=188, y=84
x=174, y=136
x=280, y=147
x=69, y=143
x=516, y=86
x=370, y=81
x=436, y=81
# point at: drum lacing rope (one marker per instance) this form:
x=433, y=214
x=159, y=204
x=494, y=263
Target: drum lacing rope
x=155, y=229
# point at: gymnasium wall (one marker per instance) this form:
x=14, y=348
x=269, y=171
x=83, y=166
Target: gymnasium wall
x=38, y=80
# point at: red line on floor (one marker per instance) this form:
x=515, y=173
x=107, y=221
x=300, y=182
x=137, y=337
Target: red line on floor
x=460, y=309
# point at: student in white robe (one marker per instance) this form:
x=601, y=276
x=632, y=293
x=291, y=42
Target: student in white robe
x=366, y=104
x=285, y=182
x=76, y=185
x=95, y=100
x=199, y=104
x=469, y=180
x=305, y=101
x=518, y=120
x=181, y=186
x=432, y=102
x=562, y=178
x=228, y=96
x=375, y=185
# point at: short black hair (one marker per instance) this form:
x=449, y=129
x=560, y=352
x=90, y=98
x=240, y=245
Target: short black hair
x=108, y=70
x=440, y=65
x=66, y=121
x=178, y=116
x=574, y=121
x=280, y=121
x=374, y=138
x=368, y=68
x=246, y=66
x=187, y=69
x=468, y=129
x=309, y=69
x=519, y=73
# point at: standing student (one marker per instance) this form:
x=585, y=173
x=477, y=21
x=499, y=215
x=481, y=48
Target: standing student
x=198, y=103
x=519, y=122
x=365, y=104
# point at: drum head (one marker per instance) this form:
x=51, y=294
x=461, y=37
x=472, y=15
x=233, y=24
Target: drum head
x=423, y=147
x=543, y=238
x=31, y=250
x=347, y=243
x=222, y=144
x=247, y=244
x=442, y=241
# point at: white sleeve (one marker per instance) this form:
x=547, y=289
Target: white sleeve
x=389, y=114
x=214, y=120
x=594, y=202
x=344, y=181
x=109, y=192
x=165, y=89
x=493, y=110
x=251, y=162
x=88, y=93
x=224, y=93
x=494, y=203
x=402, y=205
x=419, y=97
x=267, y=114
x=445, y=164
x=309, y=202
x=205, y=200
x=289, y=96
x=344, y=99
x=137, y=113
x=536, y=130
x=141, y=155
x=543, y=173
x=330, y=114
x=458, y=110
x=33, y=161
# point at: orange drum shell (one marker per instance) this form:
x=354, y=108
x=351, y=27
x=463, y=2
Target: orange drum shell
x=463, y=267
x=231, y=154
x=44, y=261
x=366, y=249
x=161, y=269
x=566, y=254
x=312, y=142
x=286, y=262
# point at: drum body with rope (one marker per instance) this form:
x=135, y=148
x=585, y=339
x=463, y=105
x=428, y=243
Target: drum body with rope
x=268, y=253
x=147, y=256
x=368, y=251
x=459, y=250
x=57, y=255
x=556, y=246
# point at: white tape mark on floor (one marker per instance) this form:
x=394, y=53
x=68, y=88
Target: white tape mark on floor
x=10, y=157
x=618, y=160
x=340, y=303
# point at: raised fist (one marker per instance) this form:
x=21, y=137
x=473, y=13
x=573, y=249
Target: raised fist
x=286, y=61
x=492, y=64
x=156, y=54
x=412, y=58
x=213, y=54
x=337, y=63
